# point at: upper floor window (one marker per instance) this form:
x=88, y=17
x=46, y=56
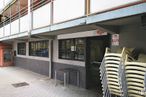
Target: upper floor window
x=72, y=49
x=21, y=48
x=39, y=48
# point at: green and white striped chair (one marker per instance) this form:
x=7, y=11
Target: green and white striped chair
x=136, y=78
x=103, y=77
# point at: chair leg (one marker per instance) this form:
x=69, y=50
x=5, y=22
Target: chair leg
x=65, y=79
x=78, y=79
x=55, y=78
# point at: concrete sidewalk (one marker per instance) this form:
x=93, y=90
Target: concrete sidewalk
x=39, y=85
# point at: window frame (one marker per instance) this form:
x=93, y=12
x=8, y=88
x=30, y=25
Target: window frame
x=77, y=48
x=37, y=45
x=73, y=40
x=24, y=47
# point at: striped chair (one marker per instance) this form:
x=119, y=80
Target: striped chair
x=103, y=77
x=136, y=78
x=112, y=74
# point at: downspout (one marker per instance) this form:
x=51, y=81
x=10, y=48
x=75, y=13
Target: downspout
x=51, y=57
x=51, y=43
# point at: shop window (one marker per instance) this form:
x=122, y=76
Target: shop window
x=72, y=49
x=21, y=48
x=7, y=55
x=39, y=48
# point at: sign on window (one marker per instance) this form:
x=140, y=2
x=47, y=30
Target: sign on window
x=115, y=40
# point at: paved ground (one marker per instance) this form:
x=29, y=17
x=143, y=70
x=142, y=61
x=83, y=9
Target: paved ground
x=39, y=85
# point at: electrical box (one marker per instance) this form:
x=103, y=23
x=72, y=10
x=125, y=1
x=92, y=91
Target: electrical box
x=6, y=56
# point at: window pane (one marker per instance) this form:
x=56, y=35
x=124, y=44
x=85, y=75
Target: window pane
x=65, y=49
x=68, y=49
x=62, y=46
x=80, y=49
x=7, y=55
x=39, y=48
x=21, y=48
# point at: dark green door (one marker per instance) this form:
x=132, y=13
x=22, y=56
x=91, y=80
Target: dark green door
x=95, y=52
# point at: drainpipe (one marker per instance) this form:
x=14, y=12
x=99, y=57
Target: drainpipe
x=51, y=57
x=51, y=12
x=51, y=43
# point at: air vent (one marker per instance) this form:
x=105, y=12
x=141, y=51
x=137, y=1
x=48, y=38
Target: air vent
x=21, y=84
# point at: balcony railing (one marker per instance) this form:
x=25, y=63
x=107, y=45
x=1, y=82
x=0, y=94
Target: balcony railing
x=59, y=11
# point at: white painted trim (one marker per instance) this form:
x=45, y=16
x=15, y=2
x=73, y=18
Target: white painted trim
x=34, y=57
x=82, y=34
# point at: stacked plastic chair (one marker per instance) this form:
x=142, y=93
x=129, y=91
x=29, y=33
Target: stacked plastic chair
x=136, y=78
x=113, y=74
x=105, y=90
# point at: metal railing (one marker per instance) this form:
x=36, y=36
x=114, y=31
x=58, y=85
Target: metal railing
x=14, y=23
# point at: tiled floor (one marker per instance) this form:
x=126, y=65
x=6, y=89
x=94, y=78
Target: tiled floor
x=39, y=85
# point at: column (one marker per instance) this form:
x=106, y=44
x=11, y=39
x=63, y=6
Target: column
x=50, y=56
x=30, y=17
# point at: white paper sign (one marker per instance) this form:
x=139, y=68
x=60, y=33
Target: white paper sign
x=72, y=48
x=115, y=39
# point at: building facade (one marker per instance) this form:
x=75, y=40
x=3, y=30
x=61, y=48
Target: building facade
x=47, y=35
